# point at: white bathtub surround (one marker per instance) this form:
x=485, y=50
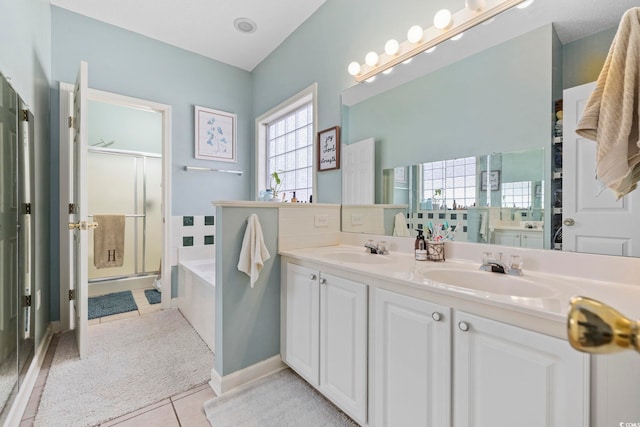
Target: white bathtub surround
x=253, y=253
x=197, y=296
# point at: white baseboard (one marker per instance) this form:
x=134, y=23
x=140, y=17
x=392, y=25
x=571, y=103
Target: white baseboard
x=223, y=384
x=20, y=404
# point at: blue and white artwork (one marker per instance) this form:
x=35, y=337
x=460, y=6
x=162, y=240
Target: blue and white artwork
x=215, y=135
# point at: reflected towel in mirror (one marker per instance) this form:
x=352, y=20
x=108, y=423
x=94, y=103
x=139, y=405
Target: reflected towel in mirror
x=400, y=228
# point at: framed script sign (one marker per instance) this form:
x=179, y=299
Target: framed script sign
x=329, y=149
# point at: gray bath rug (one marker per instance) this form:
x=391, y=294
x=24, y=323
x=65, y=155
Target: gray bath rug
x=153, y=296
x=110, y=304
x=279, y=400
x=131, y=364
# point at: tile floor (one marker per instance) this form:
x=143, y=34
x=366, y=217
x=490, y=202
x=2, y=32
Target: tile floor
x=184, y=409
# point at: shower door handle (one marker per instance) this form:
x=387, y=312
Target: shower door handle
x=82, y=225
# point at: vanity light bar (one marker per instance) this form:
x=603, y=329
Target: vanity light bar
x=476, y=12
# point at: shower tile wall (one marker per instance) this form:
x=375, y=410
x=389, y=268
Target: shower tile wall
x=191, y=231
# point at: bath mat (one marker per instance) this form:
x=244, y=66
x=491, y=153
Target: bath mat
x=281, y=399
x=131, y=363
x=153, y=296
x=107, y=305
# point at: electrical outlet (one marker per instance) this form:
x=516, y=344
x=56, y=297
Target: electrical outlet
x=321, y=220
x=357, y=219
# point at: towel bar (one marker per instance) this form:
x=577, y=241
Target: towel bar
x=201, y=169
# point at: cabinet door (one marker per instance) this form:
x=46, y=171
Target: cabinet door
x=507, y=376
x=411, y=373
x=506, y=238
x=532, y=240
x=302, y=322
x=343, y=344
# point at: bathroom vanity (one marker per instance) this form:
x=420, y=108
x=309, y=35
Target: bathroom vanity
x=392, y=341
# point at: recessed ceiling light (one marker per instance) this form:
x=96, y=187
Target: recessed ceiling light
x=245, y=25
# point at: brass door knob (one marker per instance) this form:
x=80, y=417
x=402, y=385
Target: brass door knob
x=594, y=327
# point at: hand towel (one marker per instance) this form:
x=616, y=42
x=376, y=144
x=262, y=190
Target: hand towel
x=108, y=241
x=400, y=226
x=611, y=115
x=484, y=225
x=254, y=253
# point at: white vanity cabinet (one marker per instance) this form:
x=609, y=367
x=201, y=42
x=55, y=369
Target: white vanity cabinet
x=506, y=376
x=518, y=238
x=410, y=361
x=325, y=329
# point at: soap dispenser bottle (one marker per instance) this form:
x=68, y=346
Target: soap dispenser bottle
x=420, y=247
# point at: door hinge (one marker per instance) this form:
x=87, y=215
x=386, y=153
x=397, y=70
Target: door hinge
x=72, y=208
x=72, y=294
x=70, y=121
x=27, y=208
x=27, y=300
x=25, y=115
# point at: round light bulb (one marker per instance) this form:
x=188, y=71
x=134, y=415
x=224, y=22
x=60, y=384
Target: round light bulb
x=443, y=19
x=392, y=47
x=475, y=5
x=457, y=37
x=431, y=49
x=388, y=71
x=415, y=33
x=371, y=59
x=354, y=68
x=524, y=4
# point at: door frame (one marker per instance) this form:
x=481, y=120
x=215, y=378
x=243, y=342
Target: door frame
x=65, y=108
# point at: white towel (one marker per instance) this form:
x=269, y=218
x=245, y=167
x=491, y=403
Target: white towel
x=484, y=222
x=400, y=226
x=611, y=115
x=254, y=252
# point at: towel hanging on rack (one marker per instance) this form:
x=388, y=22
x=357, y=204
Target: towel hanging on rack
x=108, y=241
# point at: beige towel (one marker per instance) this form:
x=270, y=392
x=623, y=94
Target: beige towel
x=254, y=252
x=611, y=114
x=108, y=241
x=400, y=226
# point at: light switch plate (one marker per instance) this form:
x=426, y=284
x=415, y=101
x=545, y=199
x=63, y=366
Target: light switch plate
x=321, y=220
x=357, y=219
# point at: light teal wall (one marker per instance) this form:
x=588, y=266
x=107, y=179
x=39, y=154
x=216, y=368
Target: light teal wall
x=583, y=59
x=25, y=57
x=497, y=100
x=247, y=327
x=128, y=128
x=130, y=64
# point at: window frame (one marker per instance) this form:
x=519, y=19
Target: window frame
x=309, y=94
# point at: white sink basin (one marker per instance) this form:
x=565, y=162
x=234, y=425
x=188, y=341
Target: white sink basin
x=356, y=257
x=494, y=283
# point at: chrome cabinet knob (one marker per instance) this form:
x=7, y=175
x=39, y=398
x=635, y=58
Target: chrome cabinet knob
x=464, y=326
x=312, y=277
x=569, y=222
x=436, y=316
x=323, y=281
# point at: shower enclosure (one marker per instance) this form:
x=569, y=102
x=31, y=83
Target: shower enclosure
x=125, y=178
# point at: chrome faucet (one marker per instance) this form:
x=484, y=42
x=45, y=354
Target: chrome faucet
x=514, y=267
x=373, y=248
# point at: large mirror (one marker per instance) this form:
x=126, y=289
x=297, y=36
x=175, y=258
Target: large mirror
x=496, y=104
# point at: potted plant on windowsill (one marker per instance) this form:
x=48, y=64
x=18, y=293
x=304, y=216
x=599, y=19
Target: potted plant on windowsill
x=275, y=185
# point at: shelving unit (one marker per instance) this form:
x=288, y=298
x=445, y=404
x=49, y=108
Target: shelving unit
x=556, y=183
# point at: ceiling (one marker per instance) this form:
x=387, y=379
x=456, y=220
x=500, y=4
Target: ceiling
x=204, y=26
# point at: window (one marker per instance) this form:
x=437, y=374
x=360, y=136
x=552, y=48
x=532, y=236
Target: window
x=516, y=195
x=285, y=137
x=290, y=152
x=456, y=180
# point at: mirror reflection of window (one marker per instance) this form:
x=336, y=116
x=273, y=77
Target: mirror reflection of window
x=517, y=195
x=450, y=181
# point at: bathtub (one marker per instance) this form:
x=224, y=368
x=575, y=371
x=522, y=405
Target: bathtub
x=196, y=297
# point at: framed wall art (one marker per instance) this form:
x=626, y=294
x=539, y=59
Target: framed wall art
x=490, y=181
x=329, y=149
x=215, y=135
